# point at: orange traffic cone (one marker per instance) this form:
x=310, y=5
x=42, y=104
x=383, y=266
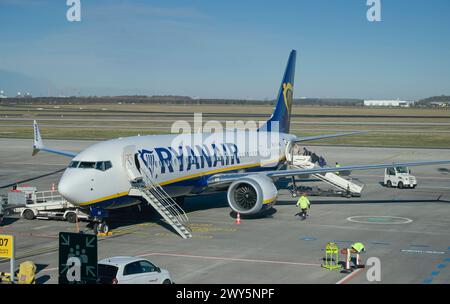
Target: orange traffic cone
x=238, y=219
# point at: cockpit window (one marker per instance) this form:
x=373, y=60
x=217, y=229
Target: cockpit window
x=87, y=165
x=73, y=164
x=101, y=165
x=108, y=165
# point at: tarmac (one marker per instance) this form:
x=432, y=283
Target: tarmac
x=408, y=230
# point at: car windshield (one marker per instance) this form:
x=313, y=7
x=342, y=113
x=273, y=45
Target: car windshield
x=106, y=273
x=401, y=169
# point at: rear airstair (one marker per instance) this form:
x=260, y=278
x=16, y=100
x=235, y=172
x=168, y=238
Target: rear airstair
x=158, y=198
x=350, y=186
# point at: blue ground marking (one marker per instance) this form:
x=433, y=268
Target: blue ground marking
x=337, y=241
x=308, y=238
x=435, y=273
x=441, y=266
x=381, y=243
x=447, y=260
x=427, y=281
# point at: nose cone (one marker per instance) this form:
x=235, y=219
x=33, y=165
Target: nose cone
x=69, y=187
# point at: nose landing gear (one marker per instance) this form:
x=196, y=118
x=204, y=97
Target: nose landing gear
x=99, y=219
x=101, y=227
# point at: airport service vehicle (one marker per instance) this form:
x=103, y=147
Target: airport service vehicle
x=131, y=270
x=157, y=169
x=47, y=205
x=400, y=177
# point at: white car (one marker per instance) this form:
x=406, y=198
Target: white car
x=131, y=270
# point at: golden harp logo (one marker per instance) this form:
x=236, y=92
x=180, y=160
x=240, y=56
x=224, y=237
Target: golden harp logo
x=287, y=94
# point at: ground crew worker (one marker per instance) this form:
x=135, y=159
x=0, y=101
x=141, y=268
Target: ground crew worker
x=304, y=204
x=358, y=248
x=337, y=166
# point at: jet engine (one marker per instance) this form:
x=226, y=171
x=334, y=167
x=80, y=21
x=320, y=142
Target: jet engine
x=252, y=194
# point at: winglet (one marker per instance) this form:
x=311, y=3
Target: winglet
x=38, y=144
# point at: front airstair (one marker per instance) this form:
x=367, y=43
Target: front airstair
x=165, y=205
x=350, y=186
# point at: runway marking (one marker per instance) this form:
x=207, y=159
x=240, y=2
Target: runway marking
x=349, y=276
x=228, y=259
x=381, y=243
x=446, y=233
x=49, y=269
x=422, y=251
x=40, y=227
x=380, y=220
x=418, y=177
x=308, y=239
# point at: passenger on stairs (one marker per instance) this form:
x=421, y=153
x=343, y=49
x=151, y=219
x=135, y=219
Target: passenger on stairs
x=322, y=162
x=314, y=158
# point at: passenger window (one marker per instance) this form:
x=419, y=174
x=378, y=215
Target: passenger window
x=132, y=268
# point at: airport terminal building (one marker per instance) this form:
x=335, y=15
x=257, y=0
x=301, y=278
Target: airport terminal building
x=388, y=103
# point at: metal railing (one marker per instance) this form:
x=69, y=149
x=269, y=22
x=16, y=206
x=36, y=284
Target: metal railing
x=49, y=196
x=163, y=198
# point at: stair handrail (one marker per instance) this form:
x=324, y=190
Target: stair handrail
x=164, y=198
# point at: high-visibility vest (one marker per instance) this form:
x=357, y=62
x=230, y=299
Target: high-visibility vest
x=358, y=247
x=303, y=202
x=338, y=166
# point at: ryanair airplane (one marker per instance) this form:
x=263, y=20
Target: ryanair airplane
x=102, y=176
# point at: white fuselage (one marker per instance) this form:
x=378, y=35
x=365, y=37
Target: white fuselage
x=180, y=163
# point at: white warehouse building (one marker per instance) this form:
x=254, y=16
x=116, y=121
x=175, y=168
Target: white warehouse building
x=388, y=103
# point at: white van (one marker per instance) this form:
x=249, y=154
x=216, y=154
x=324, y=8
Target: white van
x=399, y=177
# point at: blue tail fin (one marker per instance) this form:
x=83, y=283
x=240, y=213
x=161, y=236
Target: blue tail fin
x=282, y=113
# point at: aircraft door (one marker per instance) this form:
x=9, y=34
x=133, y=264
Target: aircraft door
x=129, y=163
x=288, y=151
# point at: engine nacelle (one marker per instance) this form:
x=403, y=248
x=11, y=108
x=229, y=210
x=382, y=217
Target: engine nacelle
x=252, y=194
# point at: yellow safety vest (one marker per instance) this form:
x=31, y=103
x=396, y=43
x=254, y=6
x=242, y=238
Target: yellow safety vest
x=358, y=246
x=338, y=166
x=303, y=202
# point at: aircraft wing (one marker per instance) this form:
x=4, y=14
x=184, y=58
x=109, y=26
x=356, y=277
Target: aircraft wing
x=38, y=144
x=220, y=179
x=306, y=138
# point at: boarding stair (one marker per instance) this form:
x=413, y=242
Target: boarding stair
x=351, y=187
x=165, y=205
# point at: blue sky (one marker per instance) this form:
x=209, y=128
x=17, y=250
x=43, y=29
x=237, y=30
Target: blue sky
x=226, y=49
